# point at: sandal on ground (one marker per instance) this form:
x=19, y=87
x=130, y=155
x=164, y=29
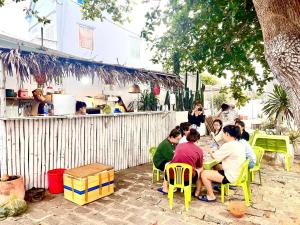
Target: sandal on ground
x=205, y=199
x=161, y=191
x=217, y=188
x=193, y=194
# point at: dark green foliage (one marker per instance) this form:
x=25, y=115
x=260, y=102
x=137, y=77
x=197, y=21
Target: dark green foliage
x=212, y=35
x=199, y=96
x=176, y=62
x=191, y=101
x=186, y=99
x=99, y=9
x=179, y=100
x=167, y=99
x=149, y=101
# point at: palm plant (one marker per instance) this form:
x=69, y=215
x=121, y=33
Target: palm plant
x=278, y=104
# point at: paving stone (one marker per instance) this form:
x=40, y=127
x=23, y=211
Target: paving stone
x=58, y=210
x=115, y=213
x=38, y=214
x=50, y=221
x=74, y=217
x=82, y=210
x=138, y=220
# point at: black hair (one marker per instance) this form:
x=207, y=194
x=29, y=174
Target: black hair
x=119, y=99
x=80, y=105
x=225, y=107
x=233, y=131
x=175, y=132
x=193, y=135
x=240, y=122
x=184, y=127
x=220, y=122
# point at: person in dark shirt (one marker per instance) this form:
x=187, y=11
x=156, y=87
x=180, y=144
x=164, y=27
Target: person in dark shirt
x=244, y=134
x=165, y=153
x=196, y=116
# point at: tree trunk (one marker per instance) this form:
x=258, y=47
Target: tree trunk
x=280, y=23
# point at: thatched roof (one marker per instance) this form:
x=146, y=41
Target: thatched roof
x=56, y=65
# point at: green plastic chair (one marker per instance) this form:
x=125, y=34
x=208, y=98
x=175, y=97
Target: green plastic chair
x=259, y=152
x=274, y=143
x=152, y=151
x=179, y=171
x=242, y=181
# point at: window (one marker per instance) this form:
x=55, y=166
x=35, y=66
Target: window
x=86, y=37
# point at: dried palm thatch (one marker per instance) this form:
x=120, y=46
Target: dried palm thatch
x=26, y=64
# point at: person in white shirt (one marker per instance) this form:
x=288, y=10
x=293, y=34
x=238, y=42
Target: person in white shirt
x=232, y=156
x=184, y=129
x=227, y=114
x=250, y=154
x=217, y=135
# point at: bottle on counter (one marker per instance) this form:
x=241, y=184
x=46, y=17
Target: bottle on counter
x=158, y=107
x=46, y=109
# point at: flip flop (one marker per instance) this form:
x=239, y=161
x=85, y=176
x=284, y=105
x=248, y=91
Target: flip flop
x=205, y=199
x=217, y=188
x=161, y=191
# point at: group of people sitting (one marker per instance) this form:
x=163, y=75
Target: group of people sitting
x=229, y=146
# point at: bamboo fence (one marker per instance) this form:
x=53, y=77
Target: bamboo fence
x=32, y=146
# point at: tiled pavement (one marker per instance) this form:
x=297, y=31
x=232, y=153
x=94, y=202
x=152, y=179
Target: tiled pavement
x=136, y=201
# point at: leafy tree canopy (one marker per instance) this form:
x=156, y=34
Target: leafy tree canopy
x=212, y=35
x=91, y=9
x=208, y=79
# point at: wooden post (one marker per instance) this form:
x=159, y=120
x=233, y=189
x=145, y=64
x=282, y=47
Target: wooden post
x=2, y=123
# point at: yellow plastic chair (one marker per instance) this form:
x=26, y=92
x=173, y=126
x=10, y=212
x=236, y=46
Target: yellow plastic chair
x=259, y=152
x=179, y=171
x=152, y=151
x=274, y=143
x=256, y=132
x=242, y=181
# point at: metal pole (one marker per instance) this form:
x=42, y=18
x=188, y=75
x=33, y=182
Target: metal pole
x=42, y=36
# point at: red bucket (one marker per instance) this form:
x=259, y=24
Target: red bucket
x=55, y=181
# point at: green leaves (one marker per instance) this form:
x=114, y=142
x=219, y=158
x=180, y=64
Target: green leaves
x=97, y=9
x=211, y=35
x=277, y=103
x=149, y=101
